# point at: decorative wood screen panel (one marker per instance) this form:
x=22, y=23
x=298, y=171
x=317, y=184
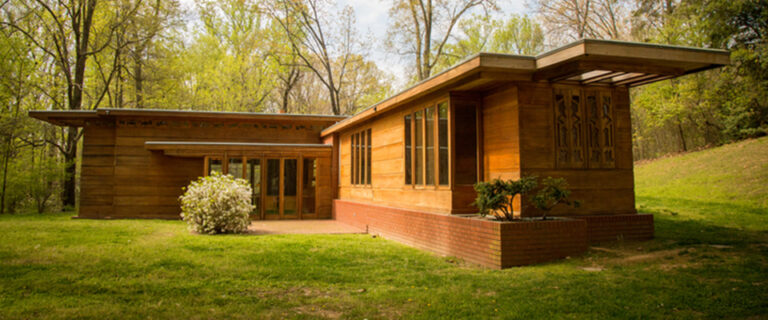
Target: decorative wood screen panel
x=584, y=128
x=569, y=124
x=600, y=132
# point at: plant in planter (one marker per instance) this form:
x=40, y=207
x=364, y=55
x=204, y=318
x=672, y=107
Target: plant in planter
x=554, y=191
x=496, y=197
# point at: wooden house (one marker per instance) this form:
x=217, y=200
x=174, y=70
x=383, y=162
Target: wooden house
x=405, y=167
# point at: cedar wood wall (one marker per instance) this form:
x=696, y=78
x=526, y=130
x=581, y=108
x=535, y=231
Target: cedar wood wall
x=121, y=179
x=388, y=169
x=517, y=136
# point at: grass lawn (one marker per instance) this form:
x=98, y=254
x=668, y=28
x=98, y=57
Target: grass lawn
x=709, y=260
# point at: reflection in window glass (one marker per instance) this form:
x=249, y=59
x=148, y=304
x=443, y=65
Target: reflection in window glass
x=352, y=159
x=214, y=165
x=235, y=167
x=290, y=177
x=254, y=176
x=272, y=198
x=418, y=148
x=429, y=137
x=368, y=147
x=408, y=163
x=442, y=138
x=308, y=185
x=363, y=157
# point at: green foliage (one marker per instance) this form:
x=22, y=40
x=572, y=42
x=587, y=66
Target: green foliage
x=515, y=34
x=217, y=204
x=553, y=191
x=713, y=107
x=498, y=196
x=43, y=181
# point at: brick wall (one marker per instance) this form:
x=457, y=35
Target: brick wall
x=489, y=243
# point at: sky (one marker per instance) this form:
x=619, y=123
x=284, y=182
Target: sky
x=373, y=18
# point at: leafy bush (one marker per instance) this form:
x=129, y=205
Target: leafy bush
x=554, y=191
x=498, y=195
x=217, y=204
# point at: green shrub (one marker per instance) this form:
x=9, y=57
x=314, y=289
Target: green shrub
x=554, y=191
x=498, y=195
x=217, y=204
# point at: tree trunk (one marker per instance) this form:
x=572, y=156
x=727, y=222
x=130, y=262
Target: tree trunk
x=68, y=194
x=682, y=135
x=138, y=82
x=5, y=173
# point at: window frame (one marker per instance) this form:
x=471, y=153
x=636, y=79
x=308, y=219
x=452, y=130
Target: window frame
x=435, y=132
x=360, y=164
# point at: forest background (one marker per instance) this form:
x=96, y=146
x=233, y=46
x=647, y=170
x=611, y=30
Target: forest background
x=309, y=56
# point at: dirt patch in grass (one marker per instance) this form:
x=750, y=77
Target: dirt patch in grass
x=318, y=312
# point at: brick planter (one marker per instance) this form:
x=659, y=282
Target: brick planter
x=493, y=244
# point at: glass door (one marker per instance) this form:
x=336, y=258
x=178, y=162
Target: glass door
x=272, y=189
x=290, y=209
x=254, y=177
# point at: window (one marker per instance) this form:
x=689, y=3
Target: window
x=235, y=167
x=360, y=159
x=442, y=138
x=214, y=165
x=308, y=185
x=429, y=145
x=290, y=181
x=583, y=128
x=254, y=176
x=408, y=151
x=426, y=146
x=418, y=149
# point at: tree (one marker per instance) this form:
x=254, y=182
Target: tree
x=516, y=35
x=568, y=20
x=325, y=43
x=15, y=74
x=229, y=69
x=708, y=108
x=421, y=28
x=65, y=32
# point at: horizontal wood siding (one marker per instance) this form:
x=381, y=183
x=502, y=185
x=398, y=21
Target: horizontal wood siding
x=97, y=170
x=501, y=132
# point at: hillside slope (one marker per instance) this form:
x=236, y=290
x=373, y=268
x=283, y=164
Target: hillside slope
x=727, y=185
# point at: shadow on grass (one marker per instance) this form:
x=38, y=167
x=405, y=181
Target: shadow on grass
x=648, y=203
x=725, y=224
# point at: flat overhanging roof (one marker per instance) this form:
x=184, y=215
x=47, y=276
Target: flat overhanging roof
x=78, y=118
x=585, y=62
x=203, y=148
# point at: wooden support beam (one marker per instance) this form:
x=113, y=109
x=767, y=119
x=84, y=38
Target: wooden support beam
x=635, y=79
x=625, y=76
x=603, y=77
x=593, y=74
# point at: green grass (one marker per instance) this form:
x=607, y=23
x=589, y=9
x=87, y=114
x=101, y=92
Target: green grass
x=709, y=260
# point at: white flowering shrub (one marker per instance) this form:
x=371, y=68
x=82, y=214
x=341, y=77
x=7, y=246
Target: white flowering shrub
x=217, y=204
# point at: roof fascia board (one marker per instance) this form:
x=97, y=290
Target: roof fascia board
x=218, y=115
x=475, y=63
